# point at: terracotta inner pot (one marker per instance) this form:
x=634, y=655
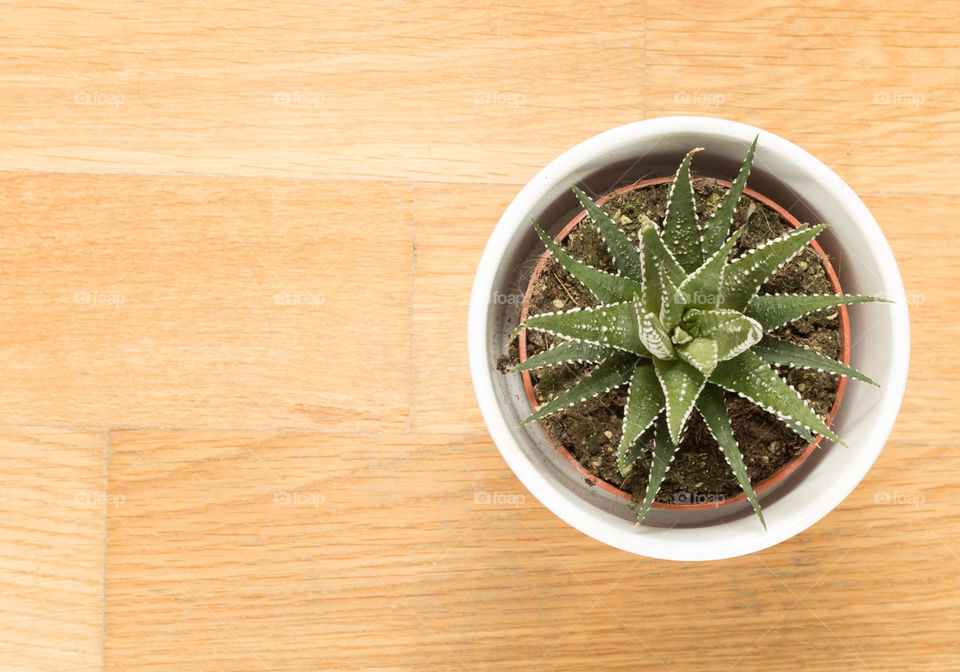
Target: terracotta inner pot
x=781, y=473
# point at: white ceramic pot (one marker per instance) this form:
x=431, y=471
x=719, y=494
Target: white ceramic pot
x=880, y=334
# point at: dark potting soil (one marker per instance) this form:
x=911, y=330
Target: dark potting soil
x=590, y=431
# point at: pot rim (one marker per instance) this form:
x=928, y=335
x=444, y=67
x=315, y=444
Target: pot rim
x=855, y=234
x=785, y=469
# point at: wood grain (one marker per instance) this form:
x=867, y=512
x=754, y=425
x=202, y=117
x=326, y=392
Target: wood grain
x=854, y=83
x=237, y=430
x=264, y=551
x=374, y=90
x=205, y=302
x=53, y=504
x=928, y=263
x=453, y=222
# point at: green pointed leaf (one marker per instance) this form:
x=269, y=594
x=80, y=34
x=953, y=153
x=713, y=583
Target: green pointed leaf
x=714, y=411
x=657, y=260
x=612, y=372
x=644, y=403
x=733, y=332
x=672, y=302
x=702, y=353
x=776, y=310
x=679, y=336
x=681, y=232
x=718, y=227
x=783, y=353
x=614, y=324
x=605, y=286
x=664, y=450
x=570, y=351
x=743, y=276
x=625, y=255
x=681, y=384
x=751, y=378
x=654, y=337
x=627, y=458
x=703, y=286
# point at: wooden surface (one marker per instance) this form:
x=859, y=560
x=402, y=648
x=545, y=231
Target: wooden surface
x=236, y=425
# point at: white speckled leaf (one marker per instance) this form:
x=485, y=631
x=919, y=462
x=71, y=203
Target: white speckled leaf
x=681, y=231
x=750, y=377
x=611, y=373
x=570, y=351
x=614, y=324
x=783, y=353
x=626, y=256
x=680, y=336
x=654, y=337
x=776, y=310
x=719, y=225
x=672, y=303
x=702, y=353
x=664, y=450
x=703, y=286
x=714, y=411
x=657, y=260
x=626, y=460
x=743, y=276
x=605, y=286
x=681, y=384
x=644, y=403
x=733, y=332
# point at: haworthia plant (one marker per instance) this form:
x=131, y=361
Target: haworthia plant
x=682, y=325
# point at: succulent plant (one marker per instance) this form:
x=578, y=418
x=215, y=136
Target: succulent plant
x=682, y=324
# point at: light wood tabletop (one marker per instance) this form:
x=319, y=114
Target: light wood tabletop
x=237, y=430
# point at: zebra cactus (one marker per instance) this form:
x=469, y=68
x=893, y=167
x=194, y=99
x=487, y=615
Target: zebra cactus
x=681, y=324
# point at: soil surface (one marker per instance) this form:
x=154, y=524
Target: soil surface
x=590, y=431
